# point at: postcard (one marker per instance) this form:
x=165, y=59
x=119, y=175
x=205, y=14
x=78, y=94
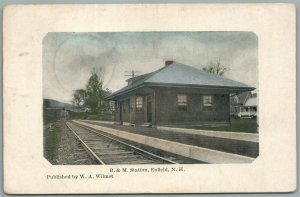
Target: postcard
x=149, y=98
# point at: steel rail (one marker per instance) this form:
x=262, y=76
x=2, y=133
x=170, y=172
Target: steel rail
x=86, y=147
x=134, y=148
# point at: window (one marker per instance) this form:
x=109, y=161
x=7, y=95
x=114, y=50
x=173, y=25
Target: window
x=254, y=109
x=207, y=103
x=182, y=102
x=139, y=104
x=207, y=100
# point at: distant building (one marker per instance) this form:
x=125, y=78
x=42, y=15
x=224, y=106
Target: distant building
x=176, y=94
x=244, y=105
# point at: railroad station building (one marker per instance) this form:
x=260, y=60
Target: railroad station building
x=176, y=94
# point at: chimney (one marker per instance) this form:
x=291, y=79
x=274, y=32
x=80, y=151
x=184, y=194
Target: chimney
x=169, y=62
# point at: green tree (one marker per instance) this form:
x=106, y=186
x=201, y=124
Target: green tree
x=93, y=92
x=95, y=95
x=79, y=97
x=216, y=68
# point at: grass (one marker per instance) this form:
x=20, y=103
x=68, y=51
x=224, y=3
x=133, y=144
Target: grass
x=48, y=116
x=51, y=142
x=77, y=115
x=237, y=125
x=90, y=116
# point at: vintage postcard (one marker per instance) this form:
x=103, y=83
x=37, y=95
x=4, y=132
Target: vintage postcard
x=160, y=98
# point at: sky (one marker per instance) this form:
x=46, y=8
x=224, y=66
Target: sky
x=69, y=58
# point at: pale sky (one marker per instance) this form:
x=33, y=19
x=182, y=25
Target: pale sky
x=68, y=58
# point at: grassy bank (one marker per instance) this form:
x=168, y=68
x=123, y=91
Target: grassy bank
x=90, y=116
x=52, y=137
x=237, y=125
x=48, y=116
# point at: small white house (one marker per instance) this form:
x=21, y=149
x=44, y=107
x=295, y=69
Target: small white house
x=244, y=105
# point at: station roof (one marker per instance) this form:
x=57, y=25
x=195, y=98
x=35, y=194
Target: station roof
x=180, y=75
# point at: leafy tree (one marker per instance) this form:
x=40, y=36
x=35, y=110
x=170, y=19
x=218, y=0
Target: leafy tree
x=216, y=68
x=79, y=97
x=93, y=96
x=94, y=92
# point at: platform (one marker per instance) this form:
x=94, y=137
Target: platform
x=210, y=149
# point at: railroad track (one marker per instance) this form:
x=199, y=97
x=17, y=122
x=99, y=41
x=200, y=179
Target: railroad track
x=107, y=150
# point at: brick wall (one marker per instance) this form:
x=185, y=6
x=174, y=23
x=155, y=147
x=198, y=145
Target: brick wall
x=167, y=109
